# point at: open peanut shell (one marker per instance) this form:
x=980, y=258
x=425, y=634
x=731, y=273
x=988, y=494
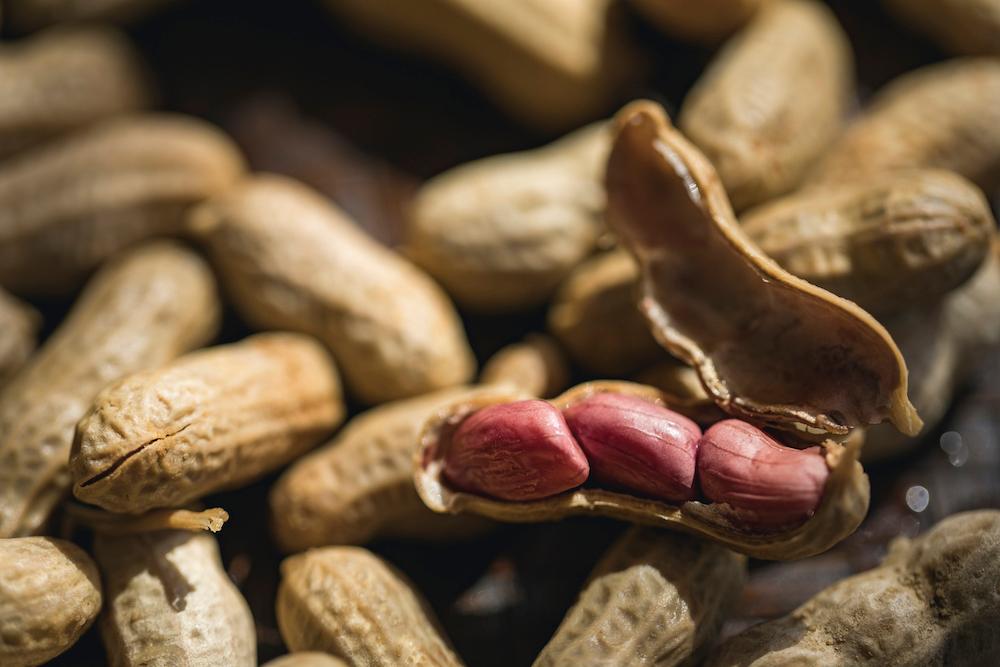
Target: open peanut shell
x=843, y=505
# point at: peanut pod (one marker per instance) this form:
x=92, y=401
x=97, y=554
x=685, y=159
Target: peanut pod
x=211, y=420
x=933, y=601
x=654, y=599
x=942, y=116
x=50, y=593
x=140, y=311
x=535, y=365
x=63, y=79
x=349, y=603
x=547, y=62
x=773, y=100
x=500, y=233
x=170, y=602
x=18, y=327
x=839, y=508
x=292, y=260
x=890, y=242
x=306, y=659
x=707, y=22
x=970, y=27
x=68, y=205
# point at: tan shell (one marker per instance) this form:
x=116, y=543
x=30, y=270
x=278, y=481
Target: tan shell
x=768, y=346
x=943, y=116
x=933, y=601
x=844, y=504
x=292, y=260
x=140, y=311
x=600, y=291
x=890, y=242
x=707, y=21
x=536, y=366
x=360, y=485
x=500, y=233
x=306, y=659
x=967, y=27
x=348, y=602
x=25, y=15
x=63, y=79
x=68, y=205
x=50, y=594
x=654, y=600
x=773, y=100
x=169, y=602
x=19, y=324
x=211, y=420
x=551, y=63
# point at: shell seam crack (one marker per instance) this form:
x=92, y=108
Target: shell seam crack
x=107, y=472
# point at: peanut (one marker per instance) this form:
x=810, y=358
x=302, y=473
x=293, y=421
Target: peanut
x=306, y=659
x=889, y=243
x=18, y=327
x=516, y=451
x=63, y=79
x=170, y=602
x=501, y=233
x=50, y=594
x=655, y=599
x=68, y=205
x=942, y=116
x=360, y=485
x=140, y=311
x=292, y=260
x=31, y=14
x=772, y=101
x=969, y=27
x=549, y=63
x=767, y=346
x=536, y=366
x=211, y=420
x=707, y=22
x=637, y=445
x=933, y=601
x=348, y=602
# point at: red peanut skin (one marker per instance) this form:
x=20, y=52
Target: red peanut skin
x=515, y=451
x=769, y=485
x=636, y=445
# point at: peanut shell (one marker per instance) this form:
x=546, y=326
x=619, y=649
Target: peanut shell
x=535, y=365
x=707, y=22
x=306, y=659
x=18, y=328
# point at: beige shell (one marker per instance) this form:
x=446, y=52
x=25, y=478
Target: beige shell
x=211, y=420
x=603, y=290
x=768, y=346
x=773, y=100
x=967, y=27
x=306, y=659
x=348, y=602
x=943, y=116
x=707, y=21
x=50, y=594
x=68, y=205
x=169, y=602
x=844, y=503
x=551, y=63
x=890, y=243
x=27, y=15
x=654, y=600
x=140, y=311
x=536, y=366
x=65, y=78
x=360, y=485
x=292, y=260
x=19, y=324
x=500, y=233
x=933, y=601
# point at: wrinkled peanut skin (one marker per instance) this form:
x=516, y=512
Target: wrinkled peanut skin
x=50, y=593
x=516, y=451
x=933, y=601
x=773, y=100
x=141, y=310
x=501, y=233
x=63, y=79
x=169, y=602
x=654, y=600
x=636, y=445
x=292, y=260
x=965, y=27
x=349, y=603
x=211, y=420
x=18, y=328
x=708, y=22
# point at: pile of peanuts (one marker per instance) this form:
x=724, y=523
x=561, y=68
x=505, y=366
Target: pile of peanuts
x=743, y=306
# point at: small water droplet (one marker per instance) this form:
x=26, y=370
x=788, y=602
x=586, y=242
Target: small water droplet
x=917, y=498
x=951, y=442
